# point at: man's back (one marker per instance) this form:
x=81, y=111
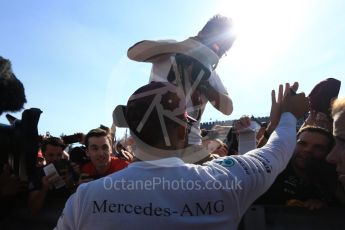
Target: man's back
x=176, y=196
x=171, y=194
x=160, y=191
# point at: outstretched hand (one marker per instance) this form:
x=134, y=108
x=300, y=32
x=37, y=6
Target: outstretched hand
x=287, y=101
x=277, y=103
x=297, y=104
x=275, y=107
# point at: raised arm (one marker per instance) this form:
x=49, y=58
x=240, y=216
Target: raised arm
x=258, y=168
x=216, y=94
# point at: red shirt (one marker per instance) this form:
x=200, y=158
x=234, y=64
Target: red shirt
x=116, y=164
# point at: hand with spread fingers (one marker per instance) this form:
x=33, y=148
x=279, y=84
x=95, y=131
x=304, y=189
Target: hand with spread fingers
x=287, y=101
x=276, y=106
x=297, y=104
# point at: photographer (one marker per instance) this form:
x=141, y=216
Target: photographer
x=44, y=192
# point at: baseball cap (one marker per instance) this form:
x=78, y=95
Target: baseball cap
x=322, y=95
x=152, y=109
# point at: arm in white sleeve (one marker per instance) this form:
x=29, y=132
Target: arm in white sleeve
x=257, y=169
x=217, y=94
x=267, y=162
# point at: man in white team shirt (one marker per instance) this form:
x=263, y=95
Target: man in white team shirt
x=181, y=62
x=160, y=191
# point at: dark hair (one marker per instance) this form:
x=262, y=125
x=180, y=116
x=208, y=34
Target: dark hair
x=78, y=155
x=54, y=141
x=105, y=128
x=217, y=30
x=97, y=133
x=216, y=24
x=317, y=129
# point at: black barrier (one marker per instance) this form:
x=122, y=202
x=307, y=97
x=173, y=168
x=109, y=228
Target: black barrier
x=268, y=217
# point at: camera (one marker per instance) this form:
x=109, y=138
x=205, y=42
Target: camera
x=74, y=138
x=19, y=142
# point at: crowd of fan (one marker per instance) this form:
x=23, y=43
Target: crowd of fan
x=308, y=181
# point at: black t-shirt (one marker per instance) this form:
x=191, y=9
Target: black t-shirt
x=35, y=183
x=288, y=185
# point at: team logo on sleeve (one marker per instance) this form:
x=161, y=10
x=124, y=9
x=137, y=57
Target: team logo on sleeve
x=228, y=162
